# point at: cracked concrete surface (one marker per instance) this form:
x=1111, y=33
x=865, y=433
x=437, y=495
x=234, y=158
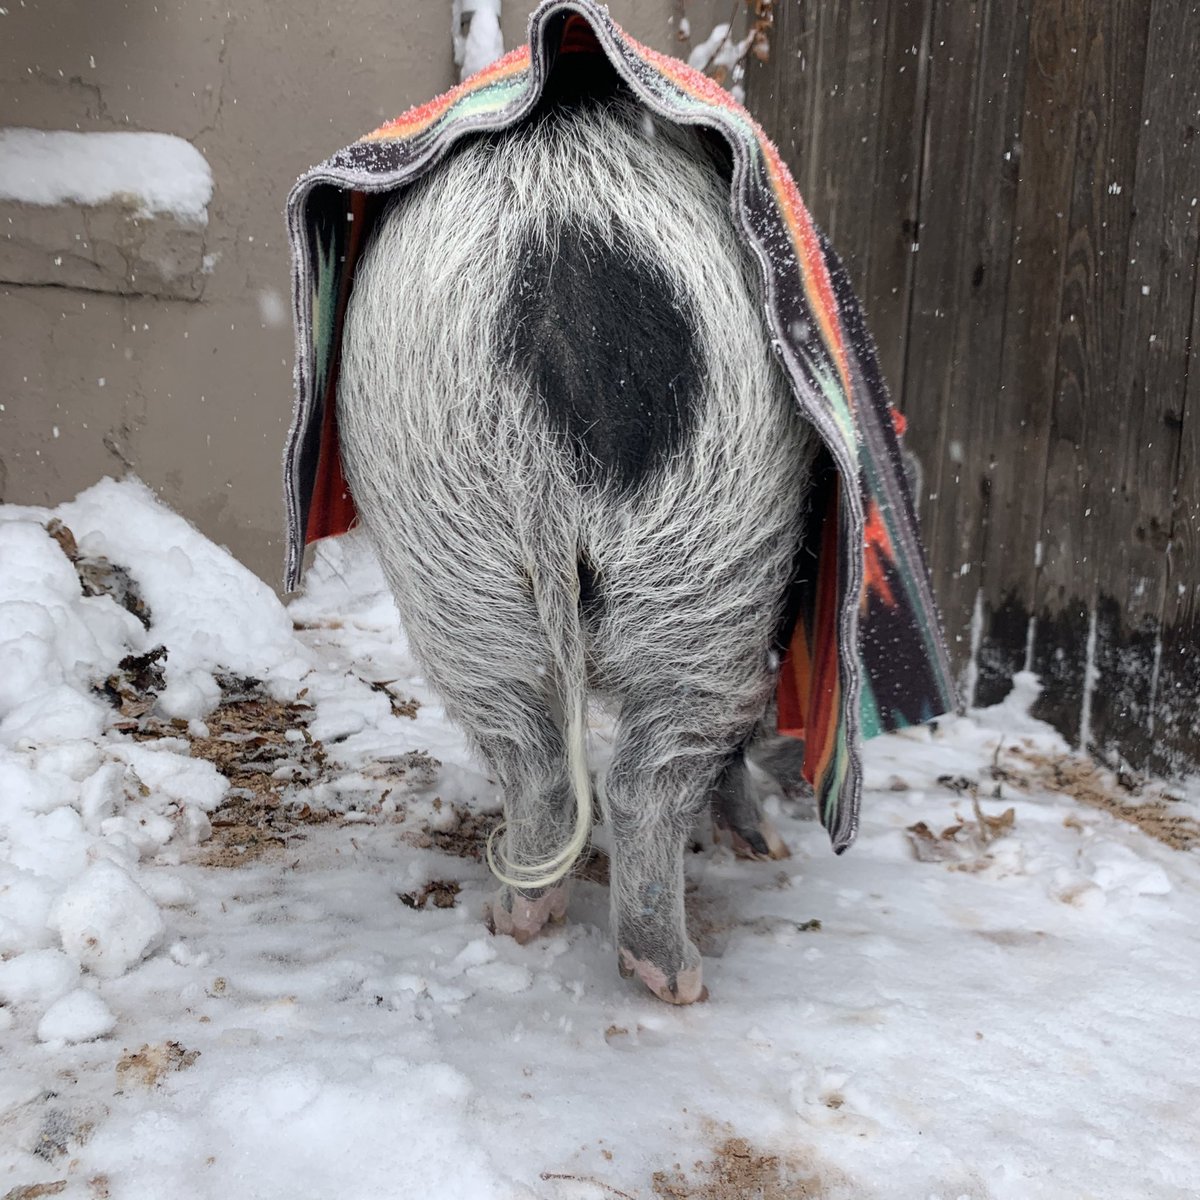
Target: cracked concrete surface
x=110, y=247
x=195, y=397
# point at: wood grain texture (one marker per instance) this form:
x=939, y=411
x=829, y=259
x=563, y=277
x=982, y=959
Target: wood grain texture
x=1088, y=416
x=977, y=351
x=1175, y=715
x=1044, y=340
x=886, y=287
x=1053, y=87
x=941, y=274
x=1153, y=367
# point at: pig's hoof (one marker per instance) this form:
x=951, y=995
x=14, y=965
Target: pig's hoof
x=523, y=918
x=679, y=987
x=762, y=844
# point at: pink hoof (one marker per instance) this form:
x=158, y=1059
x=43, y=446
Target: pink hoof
x=528, y=917
x=688, y=984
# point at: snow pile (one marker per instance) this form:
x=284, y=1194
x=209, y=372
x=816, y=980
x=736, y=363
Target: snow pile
x=106, y=922
x=83, y=807
x=160, y=172
x=80, y=1016
x=208, y=609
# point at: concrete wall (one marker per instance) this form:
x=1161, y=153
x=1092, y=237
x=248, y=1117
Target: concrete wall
x=194, y=396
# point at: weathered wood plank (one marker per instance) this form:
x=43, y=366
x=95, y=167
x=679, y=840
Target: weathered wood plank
x=1175, y=713
x=886, y=290
x=1087, y=415
x=1151, y=379
x=940, y=275
x=779, y=91
x=961, y=467
x=1053, y=85
x=979, y=331
x=852, y=77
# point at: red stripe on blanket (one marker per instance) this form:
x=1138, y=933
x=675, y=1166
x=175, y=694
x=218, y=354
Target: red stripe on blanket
x=808, y=694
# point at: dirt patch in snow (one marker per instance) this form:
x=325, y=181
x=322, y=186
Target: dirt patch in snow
x=463, y=833
x=739, y=1170
x=147, y=1066
x=441, y=893
x=31, y=1191
x=1156, y=814
x=261, y=745
x=98, y=576
x=264, y=749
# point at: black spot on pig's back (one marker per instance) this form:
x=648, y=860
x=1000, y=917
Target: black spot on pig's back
x=608, y=350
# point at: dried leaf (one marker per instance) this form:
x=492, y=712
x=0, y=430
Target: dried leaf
x=31, y=1191
x=991, y=828
x=927, y=846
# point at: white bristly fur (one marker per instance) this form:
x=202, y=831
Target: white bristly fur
x=480, y=516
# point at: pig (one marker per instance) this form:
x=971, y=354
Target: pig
x=585, y=473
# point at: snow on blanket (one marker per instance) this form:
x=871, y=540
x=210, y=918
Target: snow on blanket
x=1002, y=1009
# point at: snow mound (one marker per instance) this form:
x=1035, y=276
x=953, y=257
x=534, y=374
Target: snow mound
x=41, y=976
x=80, y=1016
x=107, y=923
x=161, y=172
x=208, y=609
x=120, y=584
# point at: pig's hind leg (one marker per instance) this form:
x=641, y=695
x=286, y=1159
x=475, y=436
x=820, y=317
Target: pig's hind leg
x=739, y=818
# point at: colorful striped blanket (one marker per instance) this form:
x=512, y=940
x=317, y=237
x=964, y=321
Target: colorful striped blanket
x=867, y=654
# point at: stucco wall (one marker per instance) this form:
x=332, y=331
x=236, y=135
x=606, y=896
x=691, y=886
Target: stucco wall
x=194, y=396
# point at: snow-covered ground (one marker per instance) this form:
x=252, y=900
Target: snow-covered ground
x=272, y=980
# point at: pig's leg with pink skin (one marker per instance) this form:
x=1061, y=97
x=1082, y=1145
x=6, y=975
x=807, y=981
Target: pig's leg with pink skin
x=653, y=803
x=524, y=913
x=524, y=748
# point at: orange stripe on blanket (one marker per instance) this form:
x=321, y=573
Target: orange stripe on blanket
x=419, y=117
x=791, y=692
x=817, y=285
x=877, y=551
x=808, y=694
x=825, y=694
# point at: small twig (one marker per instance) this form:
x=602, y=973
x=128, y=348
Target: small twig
x=547, y=1175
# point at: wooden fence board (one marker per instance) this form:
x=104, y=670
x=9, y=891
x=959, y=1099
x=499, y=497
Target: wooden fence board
x=1152, y=373
x=941, y=273
x=852, y=78
x=1175, y=715
x=1053, y=85
x=959, y=517
x=886, y=287
x=1088, y=414
x=979, y=334
x=781, y=91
